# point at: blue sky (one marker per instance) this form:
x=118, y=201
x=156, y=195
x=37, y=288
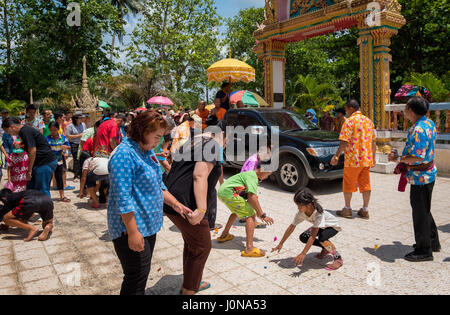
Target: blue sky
x=225, y=8
x=229, y=8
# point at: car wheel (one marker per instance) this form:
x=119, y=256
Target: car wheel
x=292, y=175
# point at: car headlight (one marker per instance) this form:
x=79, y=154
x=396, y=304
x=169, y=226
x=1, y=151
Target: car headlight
x=322, y=151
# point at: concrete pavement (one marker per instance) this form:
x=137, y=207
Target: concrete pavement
x=80, y=259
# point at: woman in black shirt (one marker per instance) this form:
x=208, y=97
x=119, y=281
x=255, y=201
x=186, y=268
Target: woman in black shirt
x=192, y=180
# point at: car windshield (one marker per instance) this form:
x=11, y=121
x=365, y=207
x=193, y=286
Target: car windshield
x=288, y=121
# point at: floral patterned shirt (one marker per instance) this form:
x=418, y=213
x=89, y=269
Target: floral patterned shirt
x=359, y=132
x=35, y=123
x=421, y=143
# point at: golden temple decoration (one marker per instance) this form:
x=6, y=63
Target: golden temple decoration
x=271, y=12
x=306, y=5
x=394, y=6
x=317, y=17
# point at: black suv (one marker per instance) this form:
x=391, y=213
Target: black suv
x=304, y=151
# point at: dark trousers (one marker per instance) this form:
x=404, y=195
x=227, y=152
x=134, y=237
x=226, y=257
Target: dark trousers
x=212, y=211
x=83, y=157
x=136, y=266
x=197, y=245
x=425, y=230
x=76, y=162
x=59, y=172
x=322, y=236
x=41, y=177
x=104, y=190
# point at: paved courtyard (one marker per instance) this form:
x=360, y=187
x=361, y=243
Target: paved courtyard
x=79, y=258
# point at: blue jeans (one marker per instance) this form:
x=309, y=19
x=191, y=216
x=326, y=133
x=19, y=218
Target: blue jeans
x=41, y=177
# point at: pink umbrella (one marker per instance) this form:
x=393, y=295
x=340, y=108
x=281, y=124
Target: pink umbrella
x=160, y=100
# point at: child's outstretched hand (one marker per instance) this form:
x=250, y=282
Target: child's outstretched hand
x=278, y=248
x=298, y=261
x=268, y=220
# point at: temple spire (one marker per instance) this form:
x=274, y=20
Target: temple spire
x=85, y=82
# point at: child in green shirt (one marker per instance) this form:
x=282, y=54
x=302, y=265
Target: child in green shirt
x=240, y=208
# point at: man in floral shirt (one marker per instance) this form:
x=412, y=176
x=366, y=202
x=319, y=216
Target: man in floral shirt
x=418, y=155
x=358, y=141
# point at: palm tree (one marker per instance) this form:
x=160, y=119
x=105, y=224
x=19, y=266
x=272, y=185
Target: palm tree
x=136, y=86
x=14, y=106
x=306, y=93
x=438, y=91
x=123, y=7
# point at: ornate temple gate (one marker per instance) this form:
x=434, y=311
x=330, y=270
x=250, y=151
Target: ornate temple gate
x=290, y=21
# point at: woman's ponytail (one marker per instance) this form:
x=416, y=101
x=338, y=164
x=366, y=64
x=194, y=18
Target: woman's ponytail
x=305, y=197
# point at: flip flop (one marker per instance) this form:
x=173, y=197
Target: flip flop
x=65, y=199
x=260, y=226
x=204, y=288
x=218, y=226
x=93, y=206
x=227, y=238
x=256, y=252
x=69, y=188
x=200, y=289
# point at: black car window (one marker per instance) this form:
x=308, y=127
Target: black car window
x=286, y=120
x=233, y=119
x=248, y=120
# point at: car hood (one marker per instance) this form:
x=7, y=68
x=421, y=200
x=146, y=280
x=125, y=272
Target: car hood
x=314, y=135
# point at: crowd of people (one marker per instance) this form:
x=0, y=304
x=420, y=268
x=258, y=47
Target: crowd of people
x=129, y=162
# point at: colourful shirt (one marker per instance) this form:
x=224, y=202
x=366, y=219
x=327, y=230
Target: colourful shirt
x=421, y=143
x=158, y=149
x=18, y=165
x=87, y=134
x=135, y=186
x=182, y=133
x=57, y=147
x=36, y=123
x=242, y=182
x=46, y=132
x=359, y=132
x=108, y=130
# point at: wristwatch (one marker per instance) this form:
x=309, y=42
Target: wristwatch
x=263, y=216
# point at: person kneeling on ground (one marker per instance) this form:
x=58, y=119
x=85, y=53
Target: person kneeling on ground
x=229, y=194
x=95, y=170
x=20, y=207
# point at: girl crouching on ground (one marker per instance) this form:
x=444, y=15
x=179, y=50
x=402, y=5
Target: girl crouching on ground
x=325, y=226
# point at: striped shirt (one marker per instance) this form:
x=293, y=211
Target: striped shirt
x=56, y=146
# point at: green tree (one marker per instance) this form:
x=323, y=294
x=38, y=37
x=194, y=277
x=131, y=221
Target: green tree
x=14, y=107
x=437, y=89
x=239, y=39
x=123, y=8
x=48, y=50
x=422, y=45
x=311, y=94
x=8, y=11
x=179, y=39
